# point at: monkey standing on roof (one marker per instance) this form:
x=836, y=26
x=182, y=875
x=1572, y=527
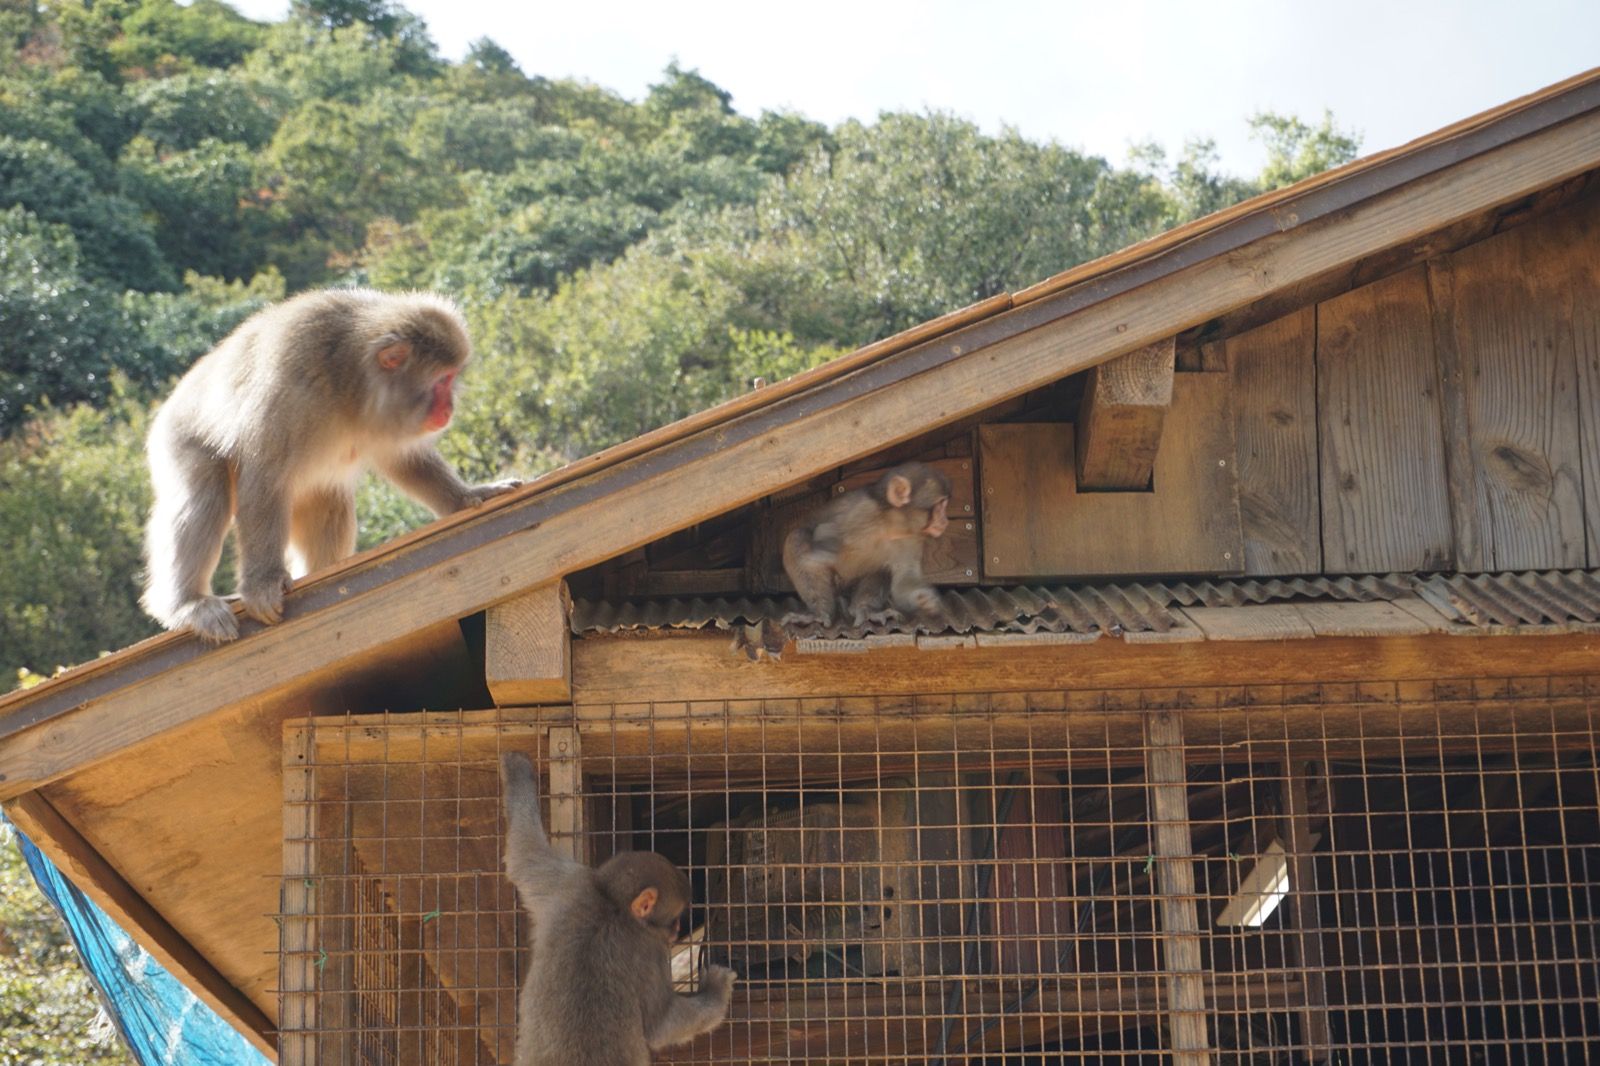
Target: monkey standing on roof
x=599, y=985
x=269, y=431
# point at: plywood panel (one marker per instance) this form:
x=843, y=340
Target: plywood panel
x=1036, y=523
x=1384, y=503
x=1275, y=409
x=1512, y=321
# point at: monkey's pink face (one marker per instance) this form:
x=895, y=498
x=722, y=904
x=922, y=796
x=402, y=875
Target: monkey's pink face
x=938, y=518
x=441, y=403
x=437, y=395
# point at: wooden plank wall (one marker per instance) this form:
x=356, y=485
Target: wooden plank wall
x=1450, y=414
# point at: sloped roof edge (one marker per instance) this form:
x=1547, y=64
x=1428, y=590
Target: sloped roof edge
x=833, y=385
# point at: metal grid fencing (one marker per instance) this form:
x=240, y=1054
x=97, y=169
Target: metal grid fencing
x=1341, y=873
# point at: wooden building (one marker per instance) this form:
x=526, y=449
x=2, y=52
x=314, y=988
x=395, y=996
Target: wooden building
x=1264, y=729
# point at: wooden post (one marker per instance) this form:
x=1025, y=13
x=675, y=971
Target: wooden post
x=564, y=757
x=1303, y=914
x=297, y=933
x=1125, y=402
x=527, y=651
x=1180, y=922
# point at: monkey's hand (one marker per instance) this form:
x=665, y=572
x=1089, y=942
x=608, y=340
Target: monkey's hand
x=262, y=596
x=718, y=982
x=477, y=494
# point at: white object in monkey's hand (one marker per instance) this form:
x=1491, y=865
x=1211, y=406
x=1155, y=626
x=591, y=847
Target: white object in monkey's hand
x=599, y=986
x=269, y=431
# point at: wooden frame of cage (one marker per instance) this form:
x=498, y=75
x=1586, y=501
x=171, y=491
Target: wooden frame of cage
x=1145, y=729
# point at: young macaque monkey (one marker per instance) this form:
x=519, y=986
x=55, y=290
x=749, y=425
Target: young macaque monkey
x=867, y=544
x=599, y=986
x=269, y=430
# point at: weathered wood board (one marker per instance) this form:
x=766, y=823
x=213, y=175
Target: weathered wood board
x=1274, y=374
x=1512, y=319
x=1586, y=353
x=1037, y=524
x=1384, y=502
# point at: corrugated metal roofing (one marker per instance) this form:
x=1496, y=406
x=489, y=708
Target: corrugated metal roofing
x=1533, y=598
x=1527, y=598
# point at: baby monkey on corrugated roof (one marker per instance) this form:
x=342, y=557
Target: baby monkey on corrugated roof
x=269, y=430
x=864, y=548
x=599, y=985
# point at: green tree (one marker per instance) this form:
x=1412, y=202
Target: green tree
x=1296, y=150
x=181, y=112
x=203, y=200
x=73, y=496
x=115, y=241
x=63, y=333
x=165, y=36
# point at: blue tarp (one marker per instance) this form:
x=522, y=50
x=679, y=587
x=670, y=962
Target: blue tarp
x=161, y=1021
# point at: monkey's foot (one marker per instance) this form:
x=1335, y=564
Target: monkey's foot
x=479, y=493
x=208, y=618
x=263, y=600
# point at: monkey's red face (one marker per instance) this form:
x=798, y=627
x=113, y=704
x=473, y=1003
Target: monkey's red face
x=938, y=518
x=437, y=396
x=441, y=403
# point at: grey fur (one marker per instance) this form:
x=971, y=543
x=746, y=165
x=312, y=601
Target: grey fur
x=599, y=987
x=865, y=547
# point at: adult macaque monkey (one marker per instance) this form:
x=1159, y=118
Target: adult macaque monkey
x=599, y=985
x=867, y=545
x=269, y=430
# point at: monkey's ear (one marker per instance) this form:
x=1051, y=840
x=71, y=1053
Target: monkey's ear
x=644, y=903
x=899, y=491
x=393, y=353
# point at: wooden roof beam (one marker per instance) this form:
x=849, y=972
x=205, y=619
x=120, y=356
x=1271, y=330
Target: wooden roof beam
x=542, y=536
x=1125, y=404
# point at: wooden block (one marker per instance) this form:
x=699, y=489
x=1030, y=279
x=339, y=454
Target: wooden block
x=1274, y=373
x=952, y=559
x=1512, y=317
x=1125, y=403
x=528, y=647
x=1376, y=619
x=1036, y=523
x=1259, y=621
x=1384, y=501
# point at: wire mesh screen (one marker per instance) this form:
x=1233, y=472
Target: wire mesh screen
x=1393, y=873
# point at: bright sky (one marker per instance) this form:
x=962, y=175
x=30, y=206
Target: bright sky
x=1095, y=76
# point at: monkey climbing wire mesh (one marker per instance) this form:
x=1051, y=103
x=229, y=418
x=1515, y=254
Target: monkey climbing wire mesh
x=160, y=1021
